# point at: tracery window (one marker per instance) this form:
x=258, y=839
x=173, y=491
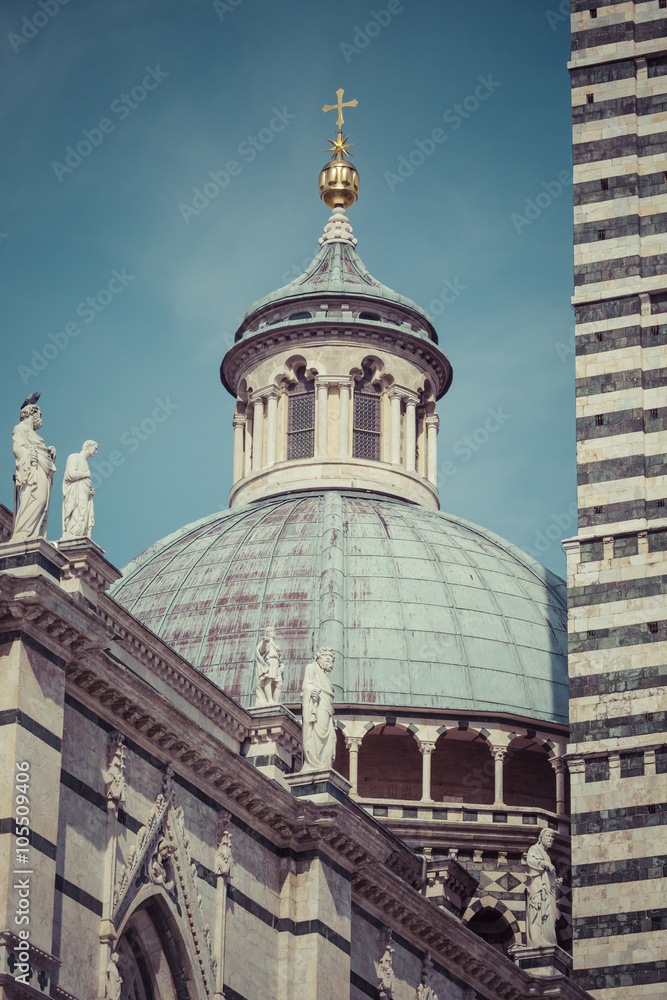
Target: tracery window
x=301, y=418
x=366, y=418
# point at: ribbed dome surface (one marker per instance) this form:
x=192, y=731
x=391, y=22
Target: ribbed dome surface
x=426, y=610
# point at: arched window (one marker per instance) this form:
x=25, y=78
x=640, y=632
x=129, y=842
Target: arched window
x=366, y=418
x=301, y=418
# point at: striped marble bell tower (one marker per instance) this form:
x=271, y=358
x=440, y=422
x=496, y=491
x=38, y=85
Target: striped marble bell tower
x=617, y=565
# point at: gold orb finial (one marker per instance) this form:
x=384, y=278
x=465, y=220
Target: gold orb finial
x=339, y=180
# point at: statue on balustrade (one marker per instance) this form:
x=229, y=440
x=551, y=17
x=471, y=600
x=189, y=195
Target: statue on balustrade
x=541, y=912
x=317, y=695
x=33, y=476
x=78, y=493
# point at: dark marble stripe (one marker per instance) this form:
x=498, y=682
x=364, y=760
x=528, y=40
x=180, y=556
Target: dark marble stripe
x=618, y=681
x=619, y=727
x=617, y=422
x=611, y=638
x=611, y=821
x=27, y=640
x=605, y=72
x=605, y=34
x=611, y=469
x=14, y=716
x=616, y=513
x=616, y=590
x=79, y=895
x=609, y=977
x=285, y=924
x=31, y=559
x=41, y=844
x=364, y=987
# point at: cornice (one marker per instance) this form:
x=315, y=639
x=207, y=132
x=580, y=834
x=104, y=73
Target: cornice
x=44, y=611
x=269, y=342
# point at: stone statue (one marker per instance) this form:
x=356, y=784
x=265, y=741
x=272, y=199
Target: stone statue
x=317, y=694
x=113, y=979
x=78, y=493
x=269, y=670
x=425, y=990
x=385, y=968
x=33, y=476
x=541, y=913
x=115, y=775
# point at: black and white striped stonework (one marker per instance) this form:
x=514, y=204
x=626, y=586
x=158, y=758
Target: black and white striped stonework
x=617, y=565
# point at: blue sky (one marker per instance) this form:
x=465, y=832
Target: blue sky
x=137, y=304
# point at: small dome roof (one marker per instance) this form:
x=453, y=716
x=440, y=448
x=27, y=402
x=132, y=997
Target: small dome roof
x=427, y=611
x=337, y=269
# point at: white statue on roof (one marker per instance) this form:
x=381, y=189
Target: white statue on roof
x=269, y=670
x=78, y=493
x=33, y=475
x=317, y=695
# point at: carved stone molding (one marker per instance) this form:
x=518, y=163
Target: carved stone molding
x=114, y=778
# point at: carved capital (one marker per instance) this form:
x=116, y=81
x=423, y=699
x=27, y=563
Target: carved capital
x=558, y=764
x=353, y=743
x=427, y=747
x=575, y=764
x=499, y=753
x=238, y=420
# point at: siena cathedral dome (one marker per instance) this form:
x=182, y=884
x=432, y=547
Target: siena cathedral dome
x=426, y=610
x=449, y=643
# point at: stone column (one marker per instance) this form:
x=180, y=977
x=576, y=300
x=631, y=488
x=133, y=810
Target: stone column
x=344, y=421
x=257, y=432
x=395, y=426
x=272, y=395
x=353, y=743
x=322, y=390
x=426, y=749
x=499, y=754
x=411, y=401
x=239, y=427
x=558, y=765
x=432, y=422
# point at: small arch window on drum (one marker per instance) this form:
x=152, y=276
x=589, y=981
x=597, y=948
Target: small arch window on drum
x=366, y=417
x=301, y=418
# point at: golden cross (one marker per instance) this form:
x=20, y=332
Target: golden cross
x=340, y=106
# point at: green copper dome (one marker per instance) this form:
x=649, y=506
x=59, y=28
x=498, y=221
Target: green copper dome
x=424, y=610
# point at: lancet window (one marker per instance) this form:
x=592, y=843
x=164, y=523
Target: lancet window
x=366, y=418
x=301, y=418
